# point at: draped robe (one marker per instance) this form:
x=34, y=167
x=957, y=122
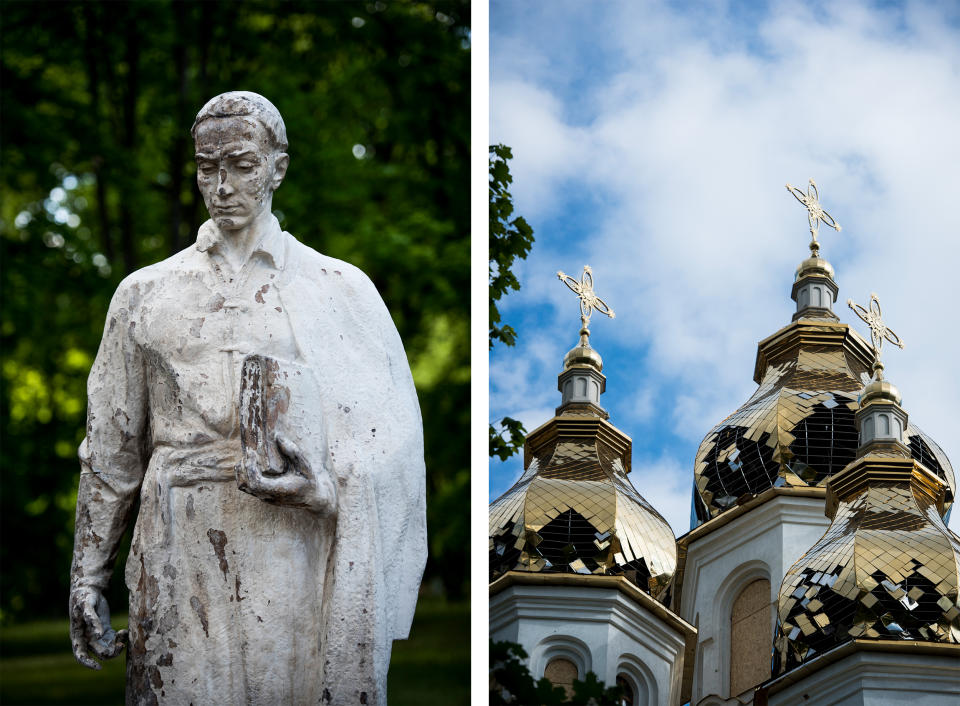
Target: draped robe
x=234, y=600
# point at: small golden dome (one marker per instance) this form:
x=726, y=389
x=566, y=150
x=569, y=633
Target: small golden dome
x=880, y=391
x=815, y=266
x=582, y=355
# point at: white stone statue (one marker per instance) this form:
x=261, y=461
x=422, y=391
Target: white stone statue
x=255, y=397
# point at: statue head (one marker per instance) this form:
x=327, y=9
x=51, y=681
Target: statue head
x=240, y=142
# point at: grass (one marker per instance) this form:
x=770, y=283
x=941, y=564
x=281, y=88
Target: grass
x=432, y=667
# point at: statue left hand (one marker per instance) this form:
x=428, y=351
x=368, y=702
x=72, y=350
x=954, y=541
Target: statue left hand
x=298, y=486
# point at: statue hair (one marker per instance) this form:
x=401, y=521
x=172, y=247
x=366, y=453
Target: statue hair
x=245, y=103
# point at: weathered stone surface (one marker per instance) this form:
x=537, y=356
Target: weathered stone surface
x=255, y=396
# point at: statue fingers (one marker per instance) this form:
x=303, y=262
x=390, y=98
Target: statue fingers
x=82, y=656
x=110, y=644
x=78, y=638
x=93, y=628
x=325, y=502
x=293, y=453
x=246, y=471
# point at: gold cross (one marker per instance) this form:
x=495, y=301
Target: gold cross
x=879, y=331
x=815, y=213
x=589, y=301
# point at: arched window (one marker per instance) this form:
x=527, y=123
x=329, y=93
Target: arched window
x=750, y=638
x=561, y=672
x=884, y=425
x=626, y=691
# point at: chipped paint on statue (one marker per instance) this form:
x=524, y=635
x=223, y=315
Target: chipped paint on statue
x=280, y=540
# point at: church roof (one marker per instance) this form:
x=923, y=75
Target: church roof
x=797, y=429
x=888, y=567
x=573, y=509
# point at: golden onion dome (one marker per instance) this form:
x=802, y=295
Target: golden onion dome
x=575, y=511
x=814, y=267
x=583, y=355
x=798, y=428
x=880, y=391
x=886, y=569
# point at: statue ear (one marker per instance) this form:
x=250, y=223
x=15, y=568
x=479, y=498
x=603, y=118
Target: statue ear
x=280, y=163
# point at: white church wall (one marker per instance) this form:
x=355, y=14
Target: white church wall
x=878, y=679
x=762, y=543
x=598, y=629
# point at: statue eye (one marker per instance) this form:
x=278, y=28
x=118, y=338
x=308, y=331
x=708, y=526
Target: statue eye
x=207, y=168
x=245, y=166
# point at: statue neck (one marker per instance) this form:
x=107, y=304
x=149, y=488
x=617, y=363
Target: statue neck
x=237, y=245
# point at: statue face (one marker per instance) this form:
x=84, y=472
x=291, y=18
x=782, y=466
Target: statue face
x=237, y=170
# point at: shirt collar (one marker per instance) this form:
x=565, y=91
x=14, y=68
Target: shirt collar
x=271, y=244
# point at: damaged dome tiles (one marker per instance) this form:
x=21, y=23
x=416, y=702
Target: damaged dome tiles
x=575, y=511
x=798, y=427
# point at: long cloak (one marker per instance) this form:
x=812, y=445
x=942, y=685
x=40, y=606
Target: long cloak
x=233, y=600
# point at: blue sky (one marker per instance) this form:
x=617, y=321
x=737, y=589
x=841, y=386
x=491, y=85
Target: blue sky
x=653, y=142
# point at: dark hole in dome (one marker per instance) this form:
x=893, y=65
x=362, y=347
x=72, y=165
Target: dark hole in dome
x=635, y=571
x=825, y=442
x=892, y=618
x=922, y=452
x=751, y=471
x=568, y=537
x=503, y=555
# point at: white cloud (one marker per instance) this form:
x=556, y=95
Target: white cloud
x=686, y=134
x=665, y=483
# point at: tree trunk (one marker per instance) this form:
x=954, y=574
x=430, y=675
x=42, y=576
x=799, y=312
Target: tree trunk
x=92, y=51
x=178, y=148
x=128, y=245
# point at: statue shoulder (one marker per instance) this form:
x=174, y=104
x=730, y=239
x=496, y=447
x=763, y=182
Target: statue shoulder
x=139, y=283
x=320, y=268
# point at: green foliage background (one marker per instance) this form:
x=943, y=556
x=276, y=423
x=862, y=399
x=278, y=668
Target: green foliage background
x=98, y=180
x=510, y=239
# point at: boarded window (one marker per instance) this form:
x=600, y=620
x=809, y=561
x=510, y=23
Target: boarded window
x=561, y=672
x=750, y=640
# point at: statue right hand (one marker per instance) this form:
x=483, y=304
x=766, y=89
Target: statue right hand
x=90, y=629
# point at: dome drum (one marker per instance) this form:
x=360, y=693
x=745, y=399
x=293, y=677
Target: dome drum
x=882, y=424
x=581, y=387
x=815, y=294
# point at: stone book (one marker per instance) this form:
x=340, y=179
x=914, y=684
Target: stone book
x=263, y=401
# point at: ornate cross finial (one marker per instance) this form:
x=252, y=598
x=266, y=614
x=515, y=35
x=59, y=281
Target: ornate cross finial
x=815, y=213
x=878, y=331
x=589, y=301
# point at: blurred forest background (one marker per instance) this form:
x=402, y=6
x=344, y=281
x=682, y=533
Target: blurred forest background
x=99, y=180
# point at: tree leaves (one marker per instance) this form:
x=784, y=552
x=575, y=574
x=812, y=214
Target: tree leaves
x=505, y=448
x=512, y=683
x=98, y=178
x=510, y=239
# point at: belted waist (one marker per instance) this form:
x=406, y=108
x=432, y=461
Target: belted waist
x=176, y=466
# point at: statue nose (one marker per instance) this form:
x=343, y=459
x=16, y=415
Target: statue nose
x=223, y=187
